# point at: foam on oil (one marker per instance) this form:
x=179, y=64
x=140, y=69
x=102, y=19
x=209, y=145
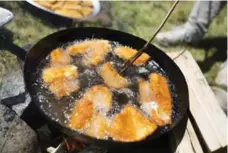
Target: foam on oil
x=60, y=109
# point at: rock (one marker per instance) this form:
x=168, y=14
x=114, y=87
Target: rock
x=19, y=108
x=221, y=78
x=5, y=16
x=221, y=96
x=16, y=135
x=12, y=92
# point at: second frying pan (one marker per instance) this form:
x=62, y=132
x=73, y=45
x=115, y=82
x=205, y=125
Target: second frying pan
x=40, y=50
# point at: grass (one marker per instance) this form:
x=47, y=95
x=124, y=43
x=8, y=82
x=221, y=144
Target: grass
x=138, y=18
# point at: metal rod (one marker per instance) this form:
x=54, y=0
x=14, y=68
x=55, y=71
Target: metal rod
x=139, y=53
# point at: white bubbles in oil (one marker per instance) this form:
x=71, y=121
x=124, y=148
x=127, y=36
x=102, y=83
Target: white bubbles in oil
x=88, y=77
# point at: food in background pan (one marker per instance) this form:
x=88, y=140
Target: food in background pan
x=73, y=9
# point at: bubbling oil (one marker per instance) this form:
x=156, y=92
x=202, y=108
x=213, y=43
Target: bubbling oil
x=60, y=110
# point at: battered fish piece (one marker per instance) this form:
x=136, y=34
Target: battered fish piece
x=145, y=91
x=162, y=97
x=59, y=57
x=57, y=5
x=68, y=12
x=73, y=5
x=64, y=87
x=46, y=4
x=98, y=127
x=82, y=114
x=75, y=9
x=87, y=3
x=131, y=125
x=96, y=53
x=101, y=97
x=52, y=74
x=86, y=10
x=126, y=53
x=82, y=47
x=111, y=77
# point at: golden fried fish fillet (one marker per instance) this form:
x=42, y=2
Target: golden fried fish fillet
x=75, y=9
x=98, y=127
x=96, y=53
x=57, y=5
x=86, y=10
x=52, y=74
x=73, y=5
x=160, y=107
x=131, y=125
x=60, y=57
x=111, y=76
x=46, y=4
x=126, y=53
x=101, y=97
x=64, y=87
x=145, y=91
x=87, y=3
x=81, y=114
x=68, y=12
x=82, y=47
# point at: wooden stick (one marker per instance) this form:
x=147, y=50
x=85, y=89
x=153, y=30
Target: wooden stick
x=135, y=56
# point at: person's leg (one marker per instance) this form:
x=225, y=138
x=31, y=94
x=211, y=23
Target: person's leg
x=195, y=28
x=203, y=13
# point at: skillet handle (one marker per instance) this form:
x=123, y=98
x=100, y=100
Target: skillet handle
x=11, y=47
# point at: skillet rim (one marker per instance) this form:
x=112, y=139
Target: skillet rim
x=85, y=138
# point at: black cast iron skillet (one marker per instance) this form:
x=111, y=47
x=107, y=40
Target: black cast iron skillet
x=47, y=44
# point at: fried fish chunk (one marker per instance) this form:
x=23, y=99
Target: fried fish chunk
x=81, y=114
x=46, y=4
x=87, y=3
x=111, y=77
x=145, y=91
x=101, y=97
x=57, y=5
x=73, y=5
x=68, y=12
x=64, y=87
x=59, y=57
x=52, y=74
x=82, y=47
x=75, y=9
x=86, y=10
x=96, y=53
x=162, y=97
x=98, y=127
x=126, y=53
x=131, y=125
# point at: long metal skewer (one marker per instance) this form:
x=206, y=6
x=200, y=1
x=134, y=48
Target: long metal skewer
x=135, y=56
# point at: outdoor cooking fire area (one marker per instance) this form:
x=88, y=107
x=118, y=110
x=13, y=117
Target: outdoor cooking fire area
x=106, y=77
x=23, y=129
